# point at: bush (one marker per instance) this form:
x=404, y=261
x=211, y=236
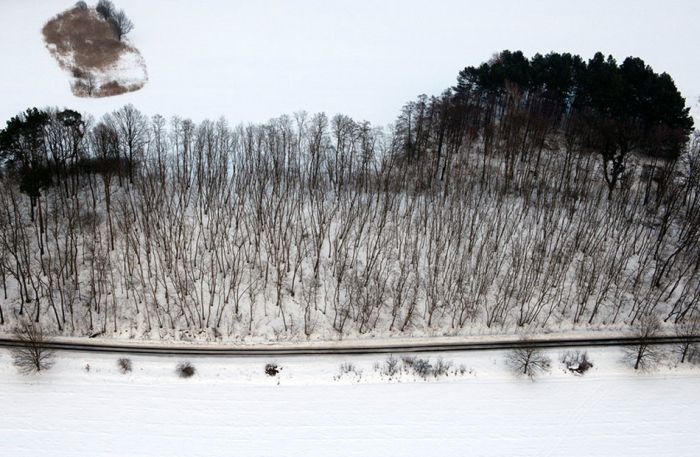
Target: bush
x=389, y=368
x=271, y=369
x=125, y=365
x=423, y=368
x=442, y=368
x=81, y=5
x=185, y=370
x=577, y=362
x=348, y=369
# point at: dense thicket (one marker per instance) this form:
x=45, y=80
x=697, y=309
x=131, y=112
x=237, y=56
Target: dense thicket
x=483, y=208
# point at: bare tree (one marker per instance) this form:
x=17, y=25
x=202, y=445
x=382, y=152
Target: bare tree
x=121, y=23
x=527, y=360
x=645, y=355
x=688, y=331
x=105, y=8
x=31, y=355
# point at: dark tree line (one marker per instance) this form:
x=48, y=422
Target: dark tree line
x=615, y=109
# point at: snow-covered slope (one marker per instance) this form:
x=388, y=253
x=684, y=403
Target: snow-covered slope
x=230, y=407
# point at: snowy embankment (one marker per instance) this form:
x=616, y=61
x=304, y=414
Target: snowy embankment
x=230, y=407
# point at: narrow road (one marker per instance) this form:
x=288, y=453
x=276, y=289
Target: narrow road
x=335, y=349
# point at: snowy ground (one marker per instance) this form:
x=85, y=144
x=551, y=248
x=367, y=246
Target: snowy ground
x=230, y=407
x=251, y=60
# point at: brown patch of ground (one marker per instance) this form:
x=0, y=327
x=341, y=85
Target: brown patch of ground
x=87, y=46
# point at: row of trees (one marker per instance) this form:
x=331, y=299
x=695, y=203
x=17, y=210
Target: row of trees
x=470, y=215
x=33, y=354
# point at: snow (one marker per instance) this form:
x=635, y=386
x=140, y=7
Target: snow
x=250, y=60
x=231, y=408
x=129, y=70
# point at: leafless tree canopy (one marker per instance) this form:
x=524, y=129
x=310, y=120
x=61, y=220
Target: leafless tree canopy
x=455, y=220
x=31, y=355
x=527, y=360
x=122, y=24
x=105, y=8
x=645, y=355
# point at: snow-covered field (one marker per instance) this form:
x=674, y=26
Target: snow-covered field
x=230, y=407
x=251, y=60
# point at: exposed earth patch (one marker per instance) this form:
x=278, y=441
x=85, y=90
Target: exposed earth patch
x=88, y=46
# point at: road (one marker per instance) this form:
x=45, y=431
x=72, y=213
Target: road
x=330, y=348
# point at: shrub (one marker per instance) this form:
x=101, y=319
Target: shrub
x=423, y=368
x=81, y=5
x=442, y=368
x=125, y=365
x=348, y=369
x=577, y=362
x=389, y=368
x=271, y=369
x=185, y=370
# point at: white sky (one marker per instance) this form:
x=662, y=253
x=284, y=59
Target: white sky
x=252, y=60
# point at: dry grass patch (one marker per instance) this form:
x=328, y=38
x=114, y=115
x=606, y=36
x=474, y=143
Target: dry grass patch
x=88, y=46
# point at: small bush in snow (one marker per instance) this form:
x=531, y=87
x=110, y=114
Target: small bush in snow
x=185, y=370
x=348, y=369
x=408, y=361
x=81, y=5
x=442, y=368
x=389, y=368
x=422, y=368
x=124, y=365
x=577, y=361
x=271, y=369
